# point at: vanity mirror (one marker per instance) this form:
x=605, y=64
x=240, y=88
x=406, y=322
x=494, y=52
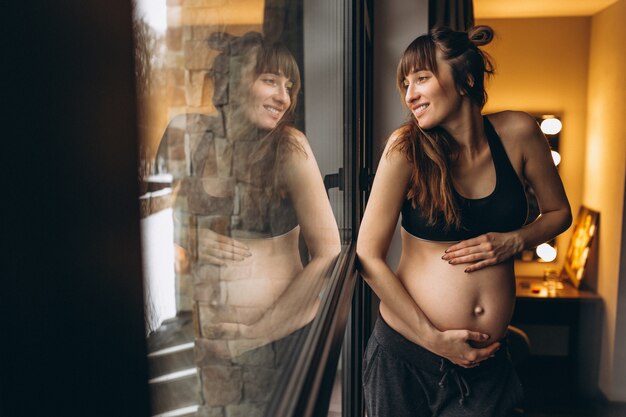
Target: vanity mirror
x=551, y=126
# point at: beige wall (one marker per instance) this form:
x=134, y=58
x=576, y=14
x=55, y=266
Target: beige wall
x=576, y=66
x=603, y=187
x=541, y=67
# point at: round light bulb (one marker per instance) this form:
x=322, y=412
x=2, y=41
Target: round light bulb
x=546, y=252
x=551, y=126
x=556, y=157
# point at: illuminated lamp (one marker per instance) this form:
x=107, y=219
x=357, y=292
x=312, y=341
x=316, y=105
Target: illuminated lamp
x=546, y=252
x=551, y=126
x=556, y=157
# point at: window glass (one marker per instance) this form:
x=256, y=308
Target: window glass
x=242, y=122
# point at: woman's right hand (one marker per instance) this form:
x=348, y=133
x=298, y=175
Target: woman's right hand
x=456, y=346
x=216, y=249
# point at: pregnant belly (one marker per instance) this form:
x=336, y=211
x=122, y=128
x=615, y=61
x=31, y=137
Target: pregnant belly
x=481, y=301
x=243, y=291
x=234, y=301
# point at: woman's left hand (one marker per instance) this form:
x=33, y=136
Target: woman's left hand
x=217, y=249
x=484, y=250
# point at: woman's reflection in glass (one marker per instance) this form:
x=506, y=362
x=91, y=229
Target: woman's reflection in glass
x=243, y=216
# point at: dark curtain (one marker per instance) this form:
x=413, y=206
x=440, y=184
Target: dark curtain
x=71, y=304
x=455, y=14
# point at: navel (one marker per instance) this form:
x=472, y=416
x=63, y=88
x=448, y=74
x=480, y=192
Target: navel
x=478, y=310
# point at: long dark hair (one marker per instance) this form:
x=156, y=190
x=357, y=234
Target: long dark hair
x=259, y=57
x=430, y=151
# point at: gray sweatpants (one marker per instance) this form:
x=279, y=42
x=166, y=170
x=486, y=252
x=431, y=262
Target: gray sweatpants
x=402, y=379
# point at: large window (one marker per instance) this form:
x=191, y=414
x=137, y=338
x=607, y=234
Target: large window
x=247, y=150
x=246, y=279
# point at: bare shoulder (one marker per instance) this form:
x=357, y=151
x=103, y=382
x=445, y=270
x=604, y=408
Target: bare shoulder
x=296, y=135
x=298, y=143
x=397, y=147
x=395, y=167
x=298, y=167
x=514, y=125
x=521, y=135
x=395, y=136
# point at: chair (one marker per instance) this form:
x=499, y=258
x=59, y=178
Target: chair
x=519, y=350
x=519, y=346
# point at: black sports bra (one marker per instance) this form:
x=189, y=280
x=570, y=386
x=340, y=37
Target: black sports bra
x=505, y=209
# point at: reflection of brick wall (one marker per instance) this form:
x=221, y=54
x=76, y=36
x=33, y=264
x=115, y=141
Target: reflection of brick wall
x=201, y=164
x=209, y=167
x=189, y=59
x=150, y=204
x=240, y=387
x=197, y=92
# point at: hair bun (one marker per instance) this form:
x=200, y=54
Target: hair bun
x=480, y=35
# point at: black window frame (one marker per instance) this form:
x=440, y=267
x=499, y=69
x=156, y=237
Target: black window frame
x=344, y=321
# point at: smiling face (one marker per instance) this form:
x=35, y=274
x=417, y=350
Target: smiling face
x=268, y=100
x=431, y=94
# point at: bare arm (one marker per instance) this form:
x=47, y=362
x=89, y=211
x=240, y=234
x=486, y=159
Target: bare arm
x=375, y=234
x=555, y=218
x=298, y=303
x=539, y=170
x=315, y=216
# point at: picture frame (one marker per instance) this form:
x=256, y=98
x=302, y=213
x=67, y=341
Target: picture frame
x=579, y=251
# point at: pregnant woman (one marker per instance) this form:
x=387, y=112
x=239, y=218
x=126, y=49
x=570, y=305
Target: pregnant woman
x=456, y=176
x=247, y=195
